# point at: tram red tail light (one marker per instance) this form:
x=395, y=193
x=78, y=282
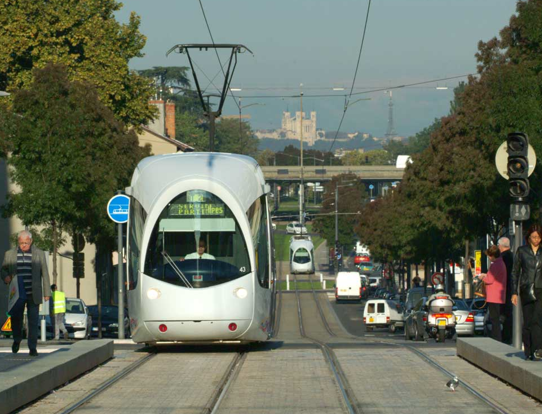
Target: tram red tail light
x=232, y=327
x=163, y=328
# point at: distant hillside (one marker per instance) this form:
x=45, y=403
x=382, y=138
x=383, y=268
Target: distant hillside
x=323, y=145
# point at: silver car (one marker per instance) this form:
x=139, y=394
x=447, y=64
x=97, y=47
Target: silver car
x=464, y=318
x=77, y=320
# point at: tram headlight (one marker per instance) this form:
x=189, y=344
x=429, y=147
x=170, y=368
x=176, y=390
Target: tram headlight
x=153, y=293
x=241, y=293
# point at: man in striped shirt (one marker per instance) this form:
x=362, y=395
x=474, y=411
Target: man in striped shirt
x=29, y=265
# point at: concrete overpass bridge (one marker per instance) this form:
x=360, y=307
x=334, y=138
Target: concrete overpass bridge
x=380, y=176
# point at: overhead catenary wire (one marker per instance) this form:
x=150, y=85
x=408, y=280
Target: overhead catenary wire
x=347, y=101
x=216, y=51
x=379, y=89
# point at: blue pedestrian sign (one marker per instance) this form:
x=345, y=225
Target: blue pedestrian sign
x=371, y=187
x=118, y=208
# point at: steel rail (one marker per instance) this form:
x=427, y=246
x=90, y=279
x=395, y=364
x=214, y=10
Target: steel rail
x=107, y=384
x=225, y=383
x=439, y=367
x=340, y=377
x=320, y=310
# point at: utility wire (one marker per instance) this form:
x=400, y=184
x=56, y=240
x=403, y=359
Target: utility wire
x=216, y=51
x=347, y=101
x=379, y=89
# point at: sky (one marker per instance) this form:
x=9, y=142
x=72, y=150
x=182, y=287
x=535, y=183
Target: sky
x=316, y=43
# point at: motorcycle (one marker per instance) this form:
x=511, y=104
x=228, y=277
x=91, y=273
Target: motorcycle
x=440, y=318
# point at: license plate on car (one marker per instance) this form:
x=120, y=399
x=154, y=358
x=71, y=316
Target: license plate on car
x=442, y=322
x=371, y=319
x=343, y=290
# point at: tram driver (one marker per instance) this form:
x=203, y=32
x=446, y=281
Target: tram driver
x=200, y=254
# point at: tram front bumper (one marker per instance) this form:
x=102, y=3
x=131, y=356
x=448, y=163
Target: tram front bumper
x=163, y=331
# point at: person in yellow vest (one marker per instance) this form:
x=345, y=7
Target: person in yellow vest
x=58, y=310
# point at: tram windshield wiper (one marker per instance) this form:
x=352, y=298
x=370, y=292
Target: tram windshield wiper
x=176, y=269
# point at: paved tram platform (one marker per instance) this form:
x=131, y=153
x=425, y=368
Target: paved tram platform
x=24, y=378
x=504, y=362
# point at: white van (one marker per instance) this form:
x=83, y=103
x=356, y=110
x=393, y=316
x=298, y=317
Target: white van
x=382, y=313
x=348, y=286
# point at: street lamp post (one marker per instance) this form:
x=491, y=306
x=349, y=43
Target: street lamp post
x=240, y=108
x=301, y=191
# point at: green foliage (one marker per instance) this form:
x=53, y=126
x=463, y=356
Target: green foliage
x=189, y=130
x=42, y=239
x=69, y=156
x=265, y=157
x=351, y=198
x=452, y=191
x=84, y=36
x=373, y=157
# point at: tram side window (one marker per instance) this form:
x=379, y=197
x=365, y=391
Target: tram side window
x=257, y=216
x=137, y=224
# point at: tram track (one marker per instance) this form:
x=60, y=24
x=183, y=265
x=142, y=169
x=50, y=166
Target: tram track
x=329, y=355
x=225, y=383
x=109, y=383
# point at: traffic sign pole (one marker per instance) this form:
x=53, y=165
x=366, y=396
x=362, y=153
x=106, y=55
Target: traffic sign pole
x=516, y=338
x=120, y=275
x=117, y=209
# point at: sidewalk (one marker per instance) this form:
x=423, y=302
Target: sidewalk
x=24, y=378
x=504, y=362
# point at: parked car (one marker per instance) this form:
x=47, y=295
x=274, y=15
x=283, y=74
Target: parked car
x=381, y=313
x=296, y=228
x=415, y=320
x=77, y=320
x=110, y=321
x=464, y=318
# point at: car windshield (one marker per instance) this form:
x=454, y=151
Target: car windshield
x=460, y=305
x=107, y=311
x=197, y=242
x=74, y=306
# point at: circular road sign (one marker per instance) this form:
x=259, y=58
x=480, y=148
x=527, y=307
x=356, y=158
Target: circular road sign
x=437, y=278
x=371, y=187
x=118, y=208
x=501, y=160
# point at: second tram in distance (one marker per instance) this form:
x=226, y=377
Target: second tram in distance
x=200, y=257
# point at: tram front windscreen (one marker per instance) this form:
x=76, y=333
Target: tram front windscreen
x=196, y=242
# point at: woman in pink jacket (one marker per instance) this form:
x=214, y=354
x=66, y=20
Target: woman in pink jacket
x=495, y=281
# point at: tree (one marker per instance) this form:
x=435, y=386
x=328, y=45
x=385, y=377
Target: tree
x=235, y=137
x=351, y=198
x=68, y=157
x=265, y=157
x=190, y=130
x=84, y=36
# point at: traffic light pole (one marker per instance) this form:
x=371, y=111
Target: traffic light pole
x=336, y=226
x=516, y=338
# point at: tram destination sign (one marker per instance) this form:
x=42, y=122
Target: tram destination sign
x=197, y=210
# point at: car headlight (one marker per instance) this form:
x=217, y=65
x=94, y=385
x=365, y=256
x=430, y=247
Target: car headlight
x=79, y=323
x=113, y=325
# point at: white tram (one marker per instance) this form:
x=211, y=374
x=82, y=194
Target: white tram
x=301, y=255
x=200, y=257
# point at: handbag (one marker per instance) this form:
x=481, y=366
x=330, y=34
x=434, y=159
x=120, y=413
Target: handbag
x=480, y=289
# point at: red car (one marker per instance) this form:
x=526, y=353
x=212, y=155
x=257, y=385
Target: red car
x=361, y=259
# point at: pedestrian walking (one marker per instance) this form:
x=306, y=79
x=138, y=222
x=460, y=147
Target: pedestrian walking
x=495, y=281
x=58, y=312
x=508, y=308
x=26, y=263
x=527, y=281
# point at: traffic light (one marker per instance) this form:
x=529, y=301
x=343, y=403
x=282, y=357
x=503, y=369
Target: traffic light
x=518, y=165
x=79, y=265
